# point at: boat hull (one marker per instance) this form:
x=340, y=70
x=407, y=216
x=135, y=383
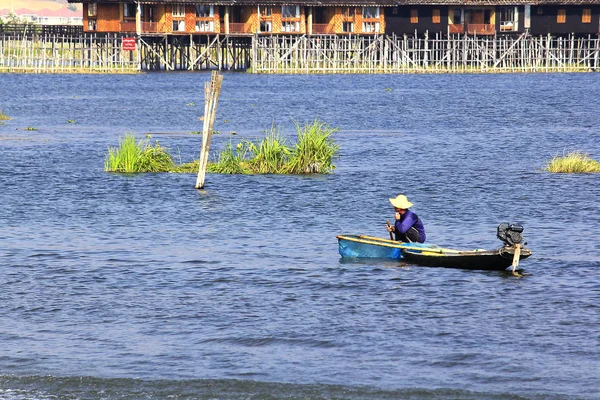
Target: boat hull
x=362, y=246
x=490, y=260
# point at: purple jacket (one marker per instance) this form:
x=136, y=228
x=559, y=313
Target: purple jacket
x=408, y=220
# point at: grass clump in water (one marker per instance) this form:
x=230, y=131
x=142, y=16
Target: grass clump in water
x=3, y=117
x=314, y=150
x=313, y=153
x=141, y=156
x=574, y=162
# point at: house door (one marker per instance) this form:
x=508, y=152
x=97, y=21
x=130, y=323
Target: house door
x=477, y=17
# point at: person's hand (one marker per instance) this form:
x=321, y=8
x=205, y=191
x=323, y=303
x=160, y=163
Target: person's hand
x=389, y=228
x=398, y=216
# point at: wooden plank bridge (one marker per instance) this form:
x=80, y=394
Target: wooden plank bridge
x=51, y=52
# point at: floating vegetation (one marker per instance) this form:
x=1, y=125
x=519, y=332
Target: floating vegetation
x=3, y=117
x=196, y=133
x=313, y=153
x=574, y=162
x=141, y=156
x=31, y=128
x=71, y=121
x=191, y=104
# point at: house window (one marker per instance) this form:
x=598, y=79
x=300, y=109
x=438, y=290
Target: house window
x=586, y=16
x=508, y=21
x=414, y=16
x=455, y=16
x=266, y=12
x=179, y=26
x=204, y=11
x=178, y=10
x=487, y=17
x=266, y=26
x=205, y=26
x=348, y=12
x=129, y=10
x=347, y=27
x=93, y=10
x=561, y=17
x=370, y=27
x=290, y=11
x=290, y=26
x=435, y=17
x=370, y=12
x=92, y=25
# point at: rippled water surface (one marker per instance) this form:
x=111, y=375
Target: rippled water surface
x=139, y=286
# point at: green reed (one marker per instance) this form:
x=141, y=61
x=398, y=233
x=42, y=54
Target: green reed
x=232, y=161
x=574, y=162
x=132, y=156
x=314, y=150
x=313, y=153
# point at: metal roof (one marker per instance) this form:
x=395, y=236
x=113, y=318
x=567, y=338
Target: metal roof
x=314, y=3
x=466, y=3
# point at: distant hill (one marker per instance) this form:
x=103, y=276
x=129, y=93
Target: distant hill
x=40, y=8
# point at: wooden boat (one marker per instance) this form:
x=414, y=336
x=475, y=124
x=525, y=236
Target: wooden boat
x=490, y=260
x=362, y=246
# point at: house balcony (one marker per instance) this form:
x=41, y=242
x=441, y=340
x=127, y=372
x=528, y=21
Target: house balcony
x=322, y=29
x=481, y=29
x=456, y=28
x=146, y=27
x=240, y=27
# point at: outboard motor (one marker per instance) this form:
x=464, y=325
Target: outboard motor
x=510, y=234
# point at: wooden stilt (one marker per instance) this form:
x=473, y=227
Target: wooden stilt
x=212, y=91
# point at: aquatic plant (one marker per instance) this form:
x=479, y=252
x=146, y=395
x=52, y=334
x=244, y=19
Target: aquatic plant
x=71, y=121
x=3, y=117
x=574, y=162
x=314, y=150
x=31, y=128
x=313, y=153
x=132, y=156
x=232, y=161
x=270, y=155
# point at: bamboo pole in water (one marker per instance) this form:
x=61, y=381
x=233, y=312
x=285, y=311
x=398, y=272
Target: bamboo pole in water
x=212, y=90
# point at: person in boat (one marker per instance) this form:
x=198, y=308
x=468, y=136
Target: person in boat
x=408, y=226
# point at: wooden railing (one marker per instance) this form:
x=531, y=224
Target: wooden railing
x=481, y=29
x=127, y=26
x=321, y=29
x=31, y=29
x=240, y=27
x=146, y=27
x=456, y=28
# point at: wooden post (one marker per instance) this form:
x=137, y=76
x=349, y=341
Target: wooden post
x=226, y=20
x=516, y=257
x=212, y=90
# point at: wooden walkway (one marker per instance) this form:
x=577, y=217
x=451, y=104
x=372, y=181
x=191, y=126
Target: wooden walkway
x=317, y=54
x=453, y=54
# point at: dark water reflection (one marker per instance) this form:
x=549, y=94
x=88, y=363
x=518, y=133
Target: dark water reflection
x=117, y=277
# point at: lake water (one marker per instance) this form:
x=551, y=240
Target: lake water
x=139, y=286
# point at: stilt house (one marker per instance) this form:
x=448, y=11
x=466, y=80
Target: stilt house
x=491, y=17
x=236, y=17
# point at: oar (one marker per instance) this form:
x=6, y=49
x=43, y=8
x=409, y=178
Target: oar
x=388, y=224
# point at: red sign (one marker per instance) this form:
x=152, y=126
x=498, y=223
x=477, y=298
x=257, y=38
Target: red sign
x=128, y=43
